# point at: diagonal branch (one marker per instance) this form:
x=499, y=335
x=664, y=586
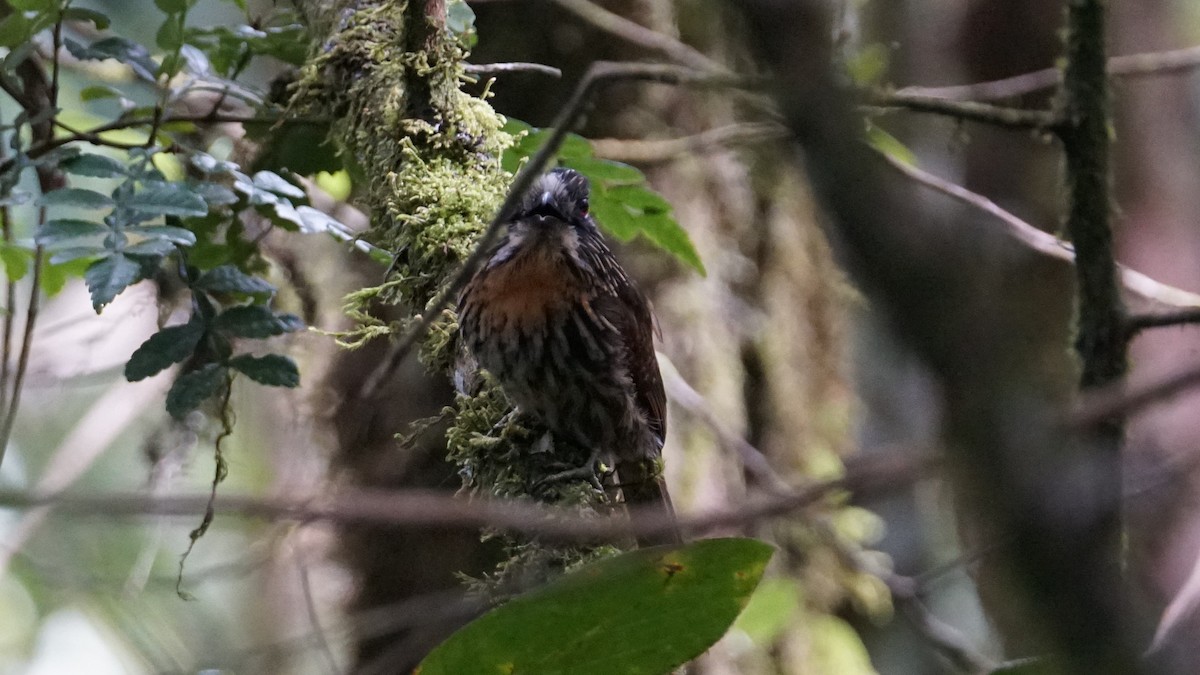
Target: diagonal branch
x=637, y=34
x=1136, y=283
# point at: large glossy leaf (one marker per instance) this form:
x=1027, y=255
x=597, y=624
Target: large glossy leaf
x=641, y=613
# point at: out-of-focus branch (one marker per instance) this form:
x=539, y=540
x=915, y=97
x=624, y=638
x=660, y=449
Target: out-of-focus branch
x=976, y=329
x=637, y=34
x=433, y=509
x=1140, y=322
x=1171, y=62
x=648, y=151
x=683, y=395
x=940, y=636
x=1122, y=399
x=986, y=113
x=1134, y=282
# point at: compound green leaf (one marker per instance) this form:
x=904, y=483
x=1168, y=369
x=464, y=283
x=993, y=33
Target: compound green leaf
x=160, y=351
x=273, y=370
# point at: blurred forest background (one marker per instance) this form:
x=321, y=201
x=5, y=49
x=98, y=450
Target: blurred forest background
x=779, y=370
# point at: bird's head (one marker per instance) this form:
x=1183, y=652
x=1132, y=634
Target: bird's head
x=552, y=218
x=557, y=197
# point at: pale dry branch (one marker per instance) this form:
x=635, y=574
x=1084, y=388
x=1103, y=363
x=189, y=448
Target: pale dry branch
x=1137, y=284
x=649, y=151
x=1171, y=62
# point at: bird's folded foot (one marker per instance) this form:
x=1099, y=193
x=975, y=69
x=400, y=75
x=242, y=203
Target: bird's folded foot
x=592, y=471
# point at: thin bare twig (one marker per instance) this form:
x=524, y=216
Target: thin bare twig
x=10, y=308
x=648, y=151
x=314, y=618
x=600, y=73
x=1124, y=398
x=682, y=394
x=425, y=509
x=1136, y=283
x=1139, y=322
x=1131, y=65
x=31, y=314
x=93, y=135
x=511, y=67
x=986, y=113
x=635, y=33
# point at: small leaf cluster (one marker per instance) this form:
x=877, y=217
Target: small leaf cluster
x=621, y=200
x=164, y=206
x=227, y=304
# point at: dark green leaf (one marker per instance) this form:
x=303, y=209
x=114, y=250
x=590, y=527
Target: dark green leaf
x=76, y=197
x=640, y=198
x=16, y=261
x=100, y=19
x=96, y=166
x=230, y=279
x=155, y=248
x=206, y=163
x=160, y=351
x=67, y=255
x=273, y=182
x=170, y=34
x=194, y=388
x=33, y=5
x=666, y=232
x=15, y=30
x=171, y=6
x=284, y=215
x=254, y=194
x=614, y=217
x=172, y=63
x=299, y=146
x=605, y=171
x=273, y=370
x=99, y=91
x=256, y=321
x=109, y=276
x=177, y=235
x=644, y=612
x=54, y=231
x=169, y=199
x=124, y=50
x=214, y=193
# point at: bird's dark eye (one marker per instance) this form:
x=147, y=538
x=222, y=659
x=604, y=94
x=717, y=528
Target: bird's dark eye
x=583, y=206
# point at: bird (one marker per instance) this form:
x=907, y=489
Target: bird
x=553, y=316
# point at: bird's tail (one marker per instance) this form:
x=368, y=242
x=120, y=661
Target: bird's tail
x=646, y=494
